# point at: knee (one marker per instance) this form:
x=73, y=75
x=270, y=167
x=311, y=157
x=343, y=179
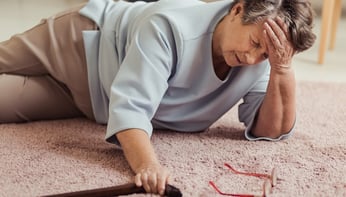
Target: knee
x=10, y=88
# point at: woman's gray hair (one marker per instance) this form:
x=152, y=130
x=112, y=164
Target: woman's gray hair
x=297, y=14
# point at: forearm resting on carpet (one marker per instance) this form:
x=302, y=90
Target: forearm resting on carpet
x=142, y=158
x=137, y=148
x=276, y=115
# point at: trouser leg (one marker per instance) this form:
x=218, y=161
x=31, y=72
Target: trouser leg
x=34, y=98
x=54, y=48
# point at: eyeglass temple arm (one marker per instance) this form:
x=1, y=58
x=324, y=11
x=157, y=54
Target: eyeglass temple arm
x=247, y=173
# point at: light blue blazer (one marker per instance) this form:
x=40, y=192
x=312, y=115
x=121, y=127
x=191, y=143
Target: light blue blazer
x=150, y=66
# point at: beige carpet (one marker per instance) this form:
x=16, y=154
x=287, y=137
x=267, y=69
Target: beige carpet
x=68, y=155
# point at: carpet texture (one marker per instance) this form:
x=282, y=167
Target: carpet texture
x=49, y=157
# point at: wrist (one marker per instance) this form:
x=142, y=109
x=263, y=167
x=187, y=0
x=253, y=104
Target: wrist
x=282, y=69
x=138, y=149
x=281, y=78
x=147, y=165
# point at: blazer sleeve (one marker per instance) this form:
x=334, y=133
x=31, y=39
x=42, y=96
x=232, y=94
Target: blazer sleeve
x=142, y=79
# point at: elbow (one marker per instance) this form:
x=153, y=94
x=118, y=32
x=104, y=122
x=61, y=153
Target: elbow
x=272, y=134
x=272, y=131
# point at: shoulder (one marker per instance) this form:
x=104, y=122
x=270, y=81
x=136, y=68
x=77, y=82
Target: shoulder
x=194, y=20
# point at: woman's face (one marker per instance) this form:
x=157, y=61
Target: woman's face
x=238, y=44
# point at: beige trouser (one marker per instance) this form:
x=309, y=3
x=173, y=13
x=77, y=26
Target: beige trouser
x=43, y=73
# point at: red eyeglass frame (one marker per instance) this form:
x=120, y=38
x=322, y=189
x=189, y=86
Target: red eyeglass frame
x=271, y=181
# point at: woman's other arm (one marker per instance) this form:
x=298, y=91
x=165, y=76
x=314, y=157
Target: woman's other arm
x=277, y=112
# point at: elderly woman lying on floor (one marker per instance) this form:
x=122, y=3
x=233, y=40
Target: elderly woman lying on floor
x=171, y=64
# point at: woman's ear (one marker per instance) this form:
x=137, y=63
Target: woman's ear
x=237, y=10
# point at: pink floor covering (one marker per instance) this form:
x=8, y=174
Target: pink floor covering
x=50, y=157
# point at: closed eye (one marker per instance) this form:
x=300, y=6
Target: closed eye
x=255, y=44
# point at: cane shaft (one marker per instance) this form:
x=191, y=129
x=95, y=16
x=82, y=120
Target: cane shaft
x=125, y=189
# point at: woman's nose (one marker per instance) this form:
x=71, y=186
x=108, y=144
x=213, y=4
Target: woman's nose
x=251, y=58
x=254, y=57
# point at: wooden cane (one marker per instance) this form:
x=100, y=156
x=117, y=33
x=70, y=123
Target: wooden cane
x=126, y=189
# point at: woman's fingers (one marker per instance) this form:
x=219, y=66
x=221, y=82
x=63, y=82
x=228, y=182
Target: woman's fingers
x=271, y=37
x=279, y=34
x=162, y=180
x=275, y=33
x=138, y=180
x=284, y=27
x=280, y=48
x=269, y=42
x=144, y=179
x=279, y=29
x=153, y=180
